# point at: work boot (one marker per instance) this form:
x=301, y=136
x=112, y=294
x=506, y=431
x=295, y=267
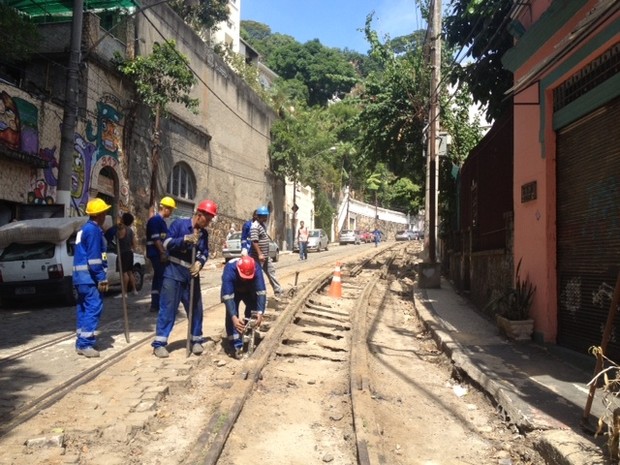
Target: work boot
x=161, y=352
x=197, y=349
x=88, y=352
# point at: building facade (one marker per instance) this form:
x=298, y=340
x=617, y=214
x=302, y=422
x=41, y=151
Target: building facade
x=567, y=164
x=221, y=152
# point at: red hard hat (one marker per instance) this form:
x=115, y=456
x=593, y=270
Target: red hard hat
x=246, y=266
x=208, y=206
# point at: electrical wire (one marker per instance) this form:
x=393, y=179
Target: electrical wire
x=267, y=137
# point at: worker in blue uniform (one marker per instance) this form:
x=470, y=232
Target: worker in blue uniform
x=90, y=264
x=246, y=243
x=242, y=281
x=184, y=234
x=156, y=233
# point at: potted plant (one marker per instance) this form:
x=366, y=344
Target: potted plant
x=513, y=308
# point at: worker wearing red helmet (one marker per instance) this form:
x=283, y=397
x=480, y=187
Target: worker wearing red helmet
x=184, y=235
x=242, y=281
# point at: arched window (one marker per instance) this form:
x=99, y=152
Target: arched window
x=182, y=183
x=182, y=186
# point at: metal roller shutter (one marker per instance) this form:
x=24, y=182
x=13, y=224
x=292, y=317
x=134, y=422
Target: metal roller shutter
x=588, y=228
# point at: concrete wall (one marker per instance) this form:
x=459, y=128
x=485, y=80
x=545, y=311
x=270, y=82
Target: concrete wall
x=225, y=145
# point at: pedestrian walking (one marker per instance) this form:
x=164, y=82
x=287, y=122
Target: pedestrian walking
x=127, y=244
x=156, y=234
x=90, y=279
x=377, y=236
x=231, y=231
x=260, y=248
x=184, y=235
x=242, y=281
x=246, y=243
x=302, y=241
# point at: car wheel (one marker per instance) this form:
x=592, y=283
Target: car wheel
x=138, y=276
x=276, y=257
x=326, y=247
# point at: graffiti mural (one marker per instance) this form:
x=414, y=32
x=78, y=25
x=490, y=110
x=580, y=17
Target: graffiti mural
x=83, y=159
x=9, y=122
x=44, y=182
x=109, y=131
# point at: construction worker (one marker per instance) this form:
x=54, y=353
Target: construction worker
x=90, y=264
x=245, y=234
x=184, y=235
x=259, y=250
x=242, y=281
x=156, y=233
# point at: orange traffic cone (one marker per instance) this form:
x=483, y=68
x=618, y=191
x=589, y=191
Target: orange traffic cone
x=335, y=289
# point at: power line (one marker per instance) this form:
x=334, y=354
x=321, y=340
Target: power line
x=205, y=84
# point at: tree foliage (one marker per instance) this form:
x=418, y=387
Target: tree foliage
x=20, y=37
x=201, y=14
x=480, y=28
x=394, y=103
x=162, y=77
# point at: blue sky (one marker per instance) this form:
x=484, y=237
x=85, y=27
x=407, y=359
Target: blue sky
x=334, y=22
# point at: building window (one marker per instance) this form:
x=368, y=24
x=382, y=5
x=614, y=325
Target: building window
x=182, y=183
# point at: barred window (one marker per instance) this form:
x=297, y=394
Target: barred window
x=182, y=183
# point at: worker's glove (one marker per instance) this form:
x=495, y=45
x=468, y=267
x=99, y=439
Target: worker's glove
x=244, y=252
x=102, y=286
x=163, y=257
x=190, y=239
x=194, y=270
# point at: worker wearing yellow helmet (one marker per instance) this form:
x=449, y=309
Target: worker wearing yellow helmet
x=90, y=266
x=156, y=233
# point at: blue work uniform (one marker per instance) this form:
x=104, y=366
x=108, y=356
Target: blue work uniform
x=176, y=284
x=156, y=230
x=252, y=292
x=246, y=243
x=90, y=264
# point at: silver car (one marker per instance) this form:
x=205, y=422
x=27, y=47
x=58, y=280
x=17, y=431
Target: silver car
x=349, y=236
x=232, y=248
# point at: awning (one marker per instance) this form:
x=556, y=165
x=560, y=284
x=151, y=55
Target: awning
x=37, y=8
x=23, y=157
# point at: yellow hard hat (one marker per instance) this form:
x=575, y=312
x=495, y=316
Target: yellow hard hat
x=168, y=202
x=96, y=206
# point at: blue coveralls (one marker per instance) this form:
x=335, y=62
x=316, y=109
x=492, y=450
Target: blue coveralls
x=90, y=264
x=252, y=292
x=246, y=243
x=156, y=229
x=176, y=284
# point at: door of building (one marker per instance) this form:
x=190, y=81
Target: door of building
x=588, y=228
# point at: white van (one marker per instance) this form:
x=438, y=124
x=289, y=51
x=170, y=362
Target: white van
x=36, y=260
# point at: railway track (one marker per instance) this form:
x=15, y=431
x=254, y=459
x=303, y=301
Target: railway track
x=319, y=333
x=57, y=376
x=355, y=380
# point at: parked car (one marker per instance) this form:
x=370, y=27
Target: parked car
x=317, y=241
x=407, y=235
x=349, y=236
x=39, y=264
x=232, y=248
x=367, y=236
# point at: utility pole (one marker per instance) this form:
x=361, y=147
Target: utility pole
x=65, y=165
x=433, y=129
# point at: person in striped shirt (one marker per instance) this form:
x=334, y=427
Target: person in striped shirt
x=260, y=248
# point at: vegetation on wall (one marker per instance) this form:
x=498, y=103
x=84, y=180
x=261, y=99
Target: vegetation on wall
x=161, y=78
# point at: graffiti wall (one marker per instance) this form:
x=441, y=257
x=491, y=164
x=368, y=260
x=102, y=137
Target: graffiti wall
x=33, y=127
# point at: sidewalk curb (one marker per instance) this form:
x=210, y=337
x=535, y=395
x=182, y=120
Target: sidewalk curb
x=555, y=441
